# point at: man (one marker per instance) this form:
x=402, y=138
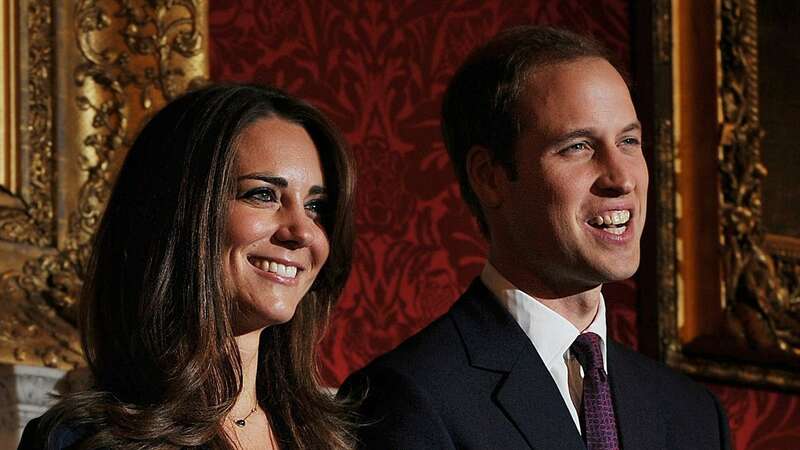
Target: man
x=547, y=148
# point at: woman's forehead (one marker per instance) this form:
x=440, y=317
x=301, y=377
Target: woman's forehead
x=276, y=147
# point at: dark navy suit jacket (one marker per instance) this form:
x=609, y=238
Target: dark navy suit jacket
x=473, y=380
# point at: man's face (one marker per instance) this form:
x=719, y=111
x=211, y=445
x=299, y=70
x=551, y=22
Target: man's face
x=573, y=218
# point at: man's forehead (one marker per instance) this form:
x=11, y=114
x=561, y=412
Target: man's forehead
x=580, y=94
x=558, y=68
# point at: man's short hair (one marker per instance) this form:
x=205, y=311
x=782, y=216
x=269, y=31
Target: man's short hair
x=481, y=103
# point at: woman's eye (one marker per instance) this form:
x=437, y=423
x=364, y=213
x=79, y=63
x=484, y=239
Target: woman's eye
x=262, y=194
x=317, y=208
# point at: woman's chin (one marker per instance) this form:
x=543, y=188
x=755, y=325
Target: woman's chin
x=259, y=319
x=280, y=319
x=280, y=312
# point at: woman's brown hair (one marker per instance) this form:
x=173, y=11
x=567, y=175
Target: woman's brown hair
x=155, y=317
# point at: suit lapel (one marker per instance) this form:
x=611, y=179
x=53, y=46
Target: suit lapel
x=527, y=395
x=638, y=419
x=532, y=402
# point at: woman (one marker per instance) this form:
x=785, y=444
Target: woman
x=224, y=245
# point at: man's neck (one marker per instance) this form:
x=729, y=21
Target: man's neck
x=580, y=309
x=578, y=306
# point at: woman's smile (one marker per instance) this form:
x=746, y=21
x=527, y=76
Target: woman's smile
x=281, y=271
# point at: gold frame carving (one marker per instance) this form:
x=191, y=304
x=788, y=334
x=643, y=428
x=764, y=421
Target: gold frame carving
x=728, y=292
x=92, y=71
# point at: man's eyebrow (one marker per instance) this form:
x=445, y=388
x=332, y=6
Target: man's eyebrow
x=590, y=132
x=633, y=126
x=579, y=133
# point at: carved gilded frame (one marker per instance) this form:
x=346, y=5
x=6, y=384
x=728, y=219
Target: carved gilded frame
x=79, y=79
x=727, y=292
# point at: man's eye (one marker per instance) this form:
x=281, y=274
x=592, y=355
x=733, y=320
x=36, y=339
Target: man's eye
x=631, y=141
x=262, y=194
x=576, y=148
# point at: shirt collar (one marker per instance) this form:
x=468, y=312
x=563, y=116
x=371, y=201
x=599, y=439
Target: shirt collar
x=550, y=333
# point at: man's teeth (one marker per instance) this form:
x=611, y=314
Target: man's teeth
x=276, y=268
x=616, y=230
x=619, y=217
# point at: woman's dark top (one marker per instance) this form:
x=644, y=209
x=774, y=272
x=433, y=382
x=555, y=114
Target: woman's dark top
x=64, y=438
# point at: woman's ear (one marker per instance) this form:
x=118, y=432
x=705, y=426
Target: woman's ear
x=486, y=177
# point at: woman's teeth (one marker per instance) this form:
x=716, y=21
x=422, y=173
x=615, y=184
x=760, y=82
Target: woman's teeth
x=276, y=268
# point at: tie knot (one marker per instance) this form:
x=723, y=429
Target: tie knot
x=587, y=349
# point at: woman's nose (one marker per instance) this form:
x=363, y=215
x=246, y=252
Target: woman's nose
x=296, y=228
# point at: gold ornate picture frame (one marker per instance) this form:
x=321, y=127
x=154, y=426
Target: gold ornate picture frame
x=726, y=289
x=79, y=79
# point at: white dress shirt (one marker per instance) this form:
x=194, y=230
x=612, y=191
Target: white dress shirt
x=550, y=333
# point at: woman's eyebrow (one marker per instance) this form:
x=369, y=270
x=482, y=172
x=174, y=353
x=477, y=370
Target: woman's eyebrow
x=271, y=179
x=315, y=190
x=280, y=182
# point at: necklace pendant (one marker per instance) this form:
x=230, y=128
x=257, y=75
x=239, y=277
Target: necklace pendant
x=240, y=423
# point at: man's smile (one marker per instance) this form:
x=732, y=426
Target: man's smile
x=614, y=221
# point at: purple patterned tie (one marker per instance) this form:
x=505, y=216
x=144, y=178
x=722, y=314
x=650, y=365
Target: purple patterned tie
x=600, y=425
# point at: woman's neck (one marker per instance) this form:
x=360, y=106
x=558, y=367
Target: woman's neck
x=248, y=353
x=247, y=424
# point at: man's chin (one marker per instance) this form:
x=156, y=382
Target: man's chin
x=614, y=274
x=618, y=269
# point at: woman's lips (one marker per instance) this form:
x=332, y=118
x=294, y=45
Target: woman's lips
x=279, y=271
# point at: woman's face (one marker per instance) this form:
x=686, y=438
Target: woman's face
x=275, y=245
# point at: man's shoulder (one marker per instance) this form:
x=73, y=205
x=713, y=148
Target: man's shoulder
x=436, y=345
x=434, y=360
x=406, y=397
x=444, y=344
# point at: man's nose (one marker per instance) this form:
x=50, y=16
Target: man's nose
x=615, y=177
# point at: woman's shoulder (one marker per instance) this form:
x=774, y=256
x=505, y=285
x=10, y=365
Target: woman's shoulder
x=35, y=436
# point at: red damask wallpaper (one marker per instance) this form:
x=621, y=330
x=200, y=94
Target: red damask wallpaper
x=379, y=68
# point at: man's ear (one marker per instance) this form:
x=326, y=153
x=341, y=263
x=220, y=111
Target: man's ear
x=486, y=177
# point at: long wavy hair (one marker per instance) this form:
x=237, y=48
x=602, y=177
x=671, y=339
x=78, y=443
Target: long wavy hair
x=155, y=317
